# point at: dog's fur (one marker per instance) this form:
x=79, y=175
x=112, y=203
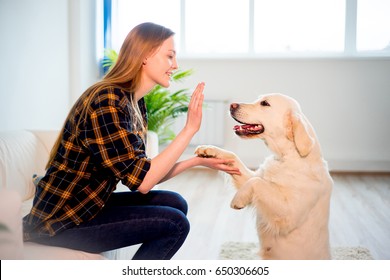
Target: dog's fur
x=291, y=190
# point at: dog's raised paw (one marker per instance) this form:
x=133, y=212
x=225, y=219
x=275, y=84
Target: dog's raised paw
x=205, y=151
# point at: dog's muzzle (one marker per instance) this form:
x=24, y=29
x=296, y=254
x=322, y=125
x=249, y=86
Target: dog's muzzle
x=244, y=129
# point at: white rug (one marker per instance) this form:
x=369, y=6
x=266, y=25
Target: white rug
x=248, y=251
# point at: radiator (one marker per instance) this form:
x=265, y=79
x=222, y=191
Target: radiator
x=213, y=124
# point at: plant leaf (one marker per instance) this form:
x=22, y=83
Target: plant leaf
x=110, y=57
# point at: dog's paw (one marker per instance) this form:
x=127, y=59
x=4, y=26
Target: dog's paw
x=237, y=203
x=214, y=152
x=206, y=151
x=242, y=198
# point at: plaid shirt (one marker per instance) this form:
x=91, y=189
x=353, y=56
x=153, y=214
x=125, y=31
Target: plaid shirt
x=90, y=161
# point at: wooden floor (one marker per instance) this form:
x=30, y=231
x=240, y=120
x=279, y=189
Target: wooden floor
x=360, y=213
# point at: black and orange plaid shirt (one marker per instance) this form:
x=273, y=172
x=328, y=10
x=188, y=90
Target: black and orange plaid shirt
x=92, y=158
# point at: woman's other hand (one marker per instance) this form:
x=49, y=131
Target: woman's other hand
x=226, y=165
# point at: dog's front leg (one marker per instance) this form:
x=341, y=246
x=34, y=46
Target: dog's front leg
x=213, y=151
x=243, y=196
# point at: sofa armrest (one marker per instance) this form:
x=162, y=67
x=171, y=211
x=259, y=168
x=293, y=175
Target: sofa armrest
x=11, y=236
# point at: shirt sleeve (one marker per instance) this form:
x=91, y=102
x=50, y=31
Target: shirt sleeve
x=118, y=149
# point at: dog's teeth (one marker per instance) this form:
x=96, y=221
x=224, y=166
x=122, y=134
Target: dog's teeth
x=248, y=128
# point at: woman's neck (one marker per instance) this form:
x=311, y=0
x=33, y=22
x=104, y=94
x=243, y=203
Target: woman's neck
x=143, y=89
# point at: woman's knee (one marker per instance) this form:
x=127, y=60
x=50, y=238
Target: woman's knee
x=174, y=200
x=180, y=222
x=180, y=203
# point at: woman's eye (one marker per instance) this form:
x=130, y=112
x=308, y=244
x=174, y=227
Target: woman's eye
x=264, y=103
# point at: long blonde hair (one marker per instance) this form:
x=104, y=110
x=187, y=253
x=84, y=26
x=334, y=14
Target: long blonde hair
x=141, y=41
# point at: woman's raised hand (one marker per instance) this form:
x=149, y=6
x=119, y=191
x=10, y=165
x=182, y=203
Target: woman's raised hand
x=194, y=114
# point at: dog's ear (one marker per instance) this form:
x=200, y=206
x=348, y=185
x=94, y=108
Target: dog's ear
x=297, y=130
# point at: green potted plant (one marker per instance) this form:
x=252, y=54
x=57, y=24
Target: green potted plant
x=163, y=106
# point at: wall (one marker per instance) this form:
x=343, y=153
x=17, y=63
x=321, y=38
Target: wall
x=35, y=64
x=48, y=59
x=83, y=70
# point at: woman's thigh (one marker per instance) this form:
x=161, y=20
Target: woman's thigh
x=153, y=198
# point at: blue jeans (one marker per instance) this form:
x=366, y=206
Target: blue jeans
x=157, y=220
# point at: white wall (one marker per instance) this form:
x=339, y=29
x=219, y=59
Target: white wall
x=83, y=70
x=35, y=64
x=48, y=59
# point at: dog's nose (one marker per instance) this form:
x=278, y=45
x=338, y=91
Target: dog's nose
x=233, y=107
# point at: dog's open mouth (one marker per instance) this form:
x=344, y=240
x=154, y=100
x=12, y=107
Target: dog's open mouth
x=248, y=129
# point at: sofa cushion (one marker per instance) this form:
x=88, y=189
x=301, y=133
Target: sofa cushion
x=21, y=155
x=35, y=251
x=47, y=138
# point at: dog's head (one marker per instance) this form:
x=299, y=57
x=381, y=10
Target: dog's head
x=278, y=120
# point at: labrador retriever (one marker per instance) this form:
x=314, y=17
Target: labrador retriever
x=292, y=188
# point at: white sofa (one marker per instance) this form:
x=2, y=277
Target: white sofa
x=22, y=154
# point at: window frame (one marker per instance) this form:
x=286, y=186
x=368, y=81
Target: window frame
x=350, y=40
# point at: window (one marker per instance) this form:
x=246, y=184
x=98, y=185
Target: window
x=373, y=25
x=299, y=26
x=128, y=13
x=250, y=28
x=217, y=26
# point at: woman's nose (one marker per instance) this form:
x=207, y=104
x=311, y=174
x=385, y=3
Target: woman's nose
x=174, y=64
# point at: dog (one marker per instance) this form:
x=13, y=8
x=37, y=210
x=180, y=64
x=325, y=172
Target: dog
x=291, y=190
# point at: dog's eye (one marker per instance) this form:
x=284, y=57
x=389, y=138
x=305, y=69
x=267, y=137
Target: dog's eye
x=264, y=103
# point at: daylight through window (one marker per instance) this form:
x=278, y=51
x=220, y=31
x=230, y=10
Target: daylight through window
x=261, y=27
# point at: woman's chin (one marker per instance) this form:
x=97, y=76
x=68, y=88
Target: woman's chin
x=165, y=84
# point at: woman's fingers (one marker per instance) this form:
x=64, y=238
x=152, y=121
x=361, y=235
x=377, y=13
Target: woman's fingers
x=194, y=115
x=197, y=96
x=225, y=165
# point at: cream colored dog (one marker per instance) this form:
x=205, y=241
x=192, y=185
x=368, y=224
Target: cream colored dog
x=291, y=190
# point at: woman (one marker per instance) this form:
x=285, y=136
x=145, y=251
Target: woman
x=103, y=142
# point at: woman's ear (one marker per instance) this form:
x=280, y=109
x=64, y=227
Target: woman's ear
x=297, y=130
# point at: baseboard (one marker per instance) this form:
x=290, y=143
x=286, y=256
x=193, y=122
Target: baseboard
x=367, y=166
